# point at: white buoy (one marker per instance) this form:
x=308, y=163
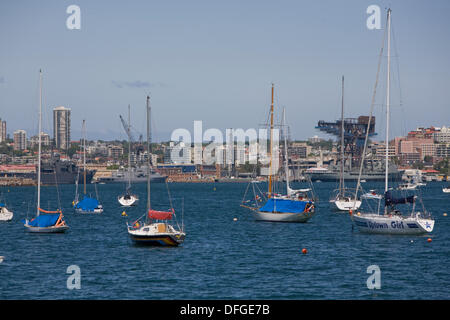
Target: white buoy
x=234, y=219
x=1, y=259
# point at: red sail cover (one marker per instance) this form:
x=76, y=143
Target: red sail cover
x=160, y=215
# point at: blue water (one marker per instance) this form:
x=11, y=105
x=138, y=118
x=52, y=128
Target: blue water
x=220, y=258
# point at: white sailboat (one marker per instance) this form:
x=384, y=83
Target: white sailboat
x=391, y=220
x=128, y=199
x=294, y=206
x=45, y=221
x=344, y=200
x=154, y=227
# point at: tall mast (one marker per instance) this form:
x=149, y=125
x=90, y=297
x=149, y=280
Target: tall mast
x=388, y=99
x=39, y=148
x=148, y=154
x=286, y=162
x=129, y=148
x=84, y=155
x=341, y=180
x=271, y=138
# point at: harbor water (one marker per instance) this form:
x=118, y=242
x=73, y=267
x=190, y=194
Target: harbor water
x=226, y=254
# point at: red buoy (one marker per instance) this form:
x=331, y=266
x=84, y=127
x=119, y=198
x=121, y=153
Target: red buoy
x=304, y=251
x=429, y=239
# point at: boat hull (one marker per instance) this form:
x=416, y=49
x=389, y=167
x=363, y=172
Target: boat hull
x=131, y=201
x=52, y=229
x=283, y=217
x=347, y=205
x=395, y=225
x=100, y=210
x=5, y=215
x=353, y=176
x=167, y=240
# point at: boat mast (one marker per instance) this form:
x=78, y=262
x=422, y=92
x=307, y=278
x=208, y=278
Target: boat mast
x=129, y=149
x=271, y=138
x=148, y=154
x=388, y=99
x=286, y=162
x=84, y=155
x=341, y=180
x=39, y=148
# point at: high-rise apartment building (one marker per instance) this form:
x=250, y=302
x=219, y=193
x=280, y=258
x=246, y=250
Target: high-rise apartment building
x=2, y=130
x=61, y=127
x=20, y=140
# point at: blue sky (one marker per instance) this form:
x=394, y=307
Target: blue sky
x=215, y=61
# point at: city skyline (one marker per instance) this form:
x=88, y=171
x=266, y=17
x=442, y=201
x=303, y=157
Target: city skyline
x=215, y=62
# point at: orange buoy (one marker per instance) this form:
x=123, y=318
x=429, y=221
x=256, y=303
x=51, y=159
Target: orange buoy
x=304, y=251
x=429, y=239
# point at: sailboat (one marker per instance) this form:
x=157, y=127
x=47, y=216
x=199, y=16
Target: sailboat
x=294, y=206
x=128, y=199
x=391, y=220
x=344, y=199
x=45, y=221
x=153, y=228
x=5, y=214
x=87, y=204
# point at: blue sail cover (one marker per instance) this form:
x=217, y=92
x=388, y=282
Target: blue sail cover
x=87, y=204
x=389, y=200
x=44, y=220
x=284, y=206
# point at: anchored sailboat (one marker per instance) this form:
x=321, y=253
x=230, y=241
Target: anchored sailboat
x=391, y=220
x=128, y=199
x=45, y=221
x=344, y=199
x=154, y=228
x=294, y=206
x=87, y=204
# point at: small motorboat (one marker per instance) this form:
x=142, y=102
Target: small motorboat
x=5, y=214
x=371, y=195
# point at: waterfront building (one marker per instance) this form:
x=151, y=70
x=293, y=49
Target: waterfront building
x=115, y=152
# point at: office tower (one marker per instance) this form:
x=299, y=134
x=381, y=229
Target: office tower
x=61, y=127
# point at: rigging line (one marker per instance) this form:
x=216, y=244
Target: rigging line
x=358, y=185
x=245, y=193
x=397, y=63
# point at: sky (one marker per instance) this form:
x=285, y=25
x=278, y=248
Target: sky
x=215, y=61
